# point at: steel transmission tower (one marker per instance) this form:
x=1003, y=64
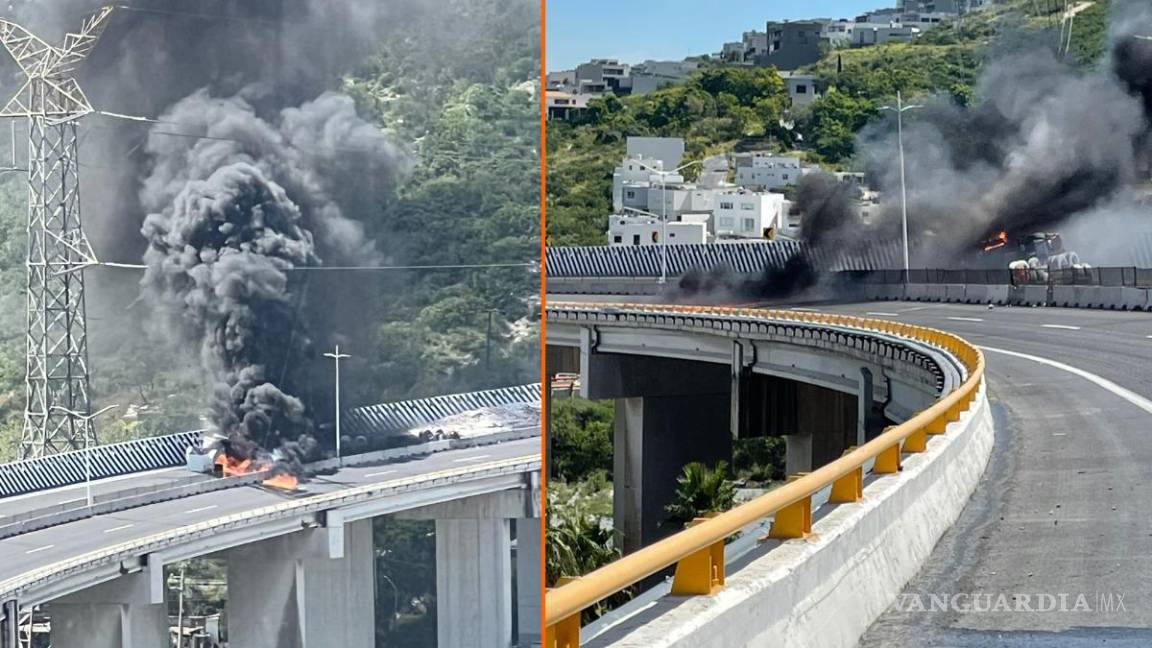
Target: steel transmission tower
x=56, y=380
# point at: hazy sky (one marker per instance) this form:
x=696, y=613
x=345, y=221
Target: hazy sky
x=634, y=30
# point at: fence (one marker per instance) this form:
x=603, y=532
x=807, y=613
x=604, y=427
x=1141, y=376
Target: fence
x=1129, y=277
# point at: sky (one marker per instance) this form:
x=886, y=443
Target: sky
x=635, y=30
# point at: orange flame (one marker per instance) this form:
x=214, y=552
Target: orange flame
x=283, y=482
x=233, y=467
x=999, y=241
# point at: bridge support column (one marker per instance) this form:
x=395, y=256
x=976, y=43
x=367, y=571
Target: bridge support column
x=314, y=589
x=116, y=614
x=474, y=564
x=654, y=438
x=10, y=628
x=529, y=544
x=473, y=583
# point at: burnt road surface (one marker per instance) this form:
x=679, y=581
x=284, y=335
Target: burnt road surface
x=1064, y=508
x=29, y=551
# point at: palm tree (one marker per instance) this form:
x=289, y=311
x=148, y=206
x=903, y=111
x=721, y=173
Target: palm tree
x=701, y=491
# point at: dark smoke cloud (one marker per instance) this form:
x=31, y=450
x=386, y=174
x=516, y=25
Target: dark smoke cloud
x=230, y=216
x=1045, y=147
x=256, y=169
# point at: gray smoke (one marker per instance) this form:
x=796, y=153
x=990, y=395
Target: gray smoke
x=1045, y=145
x=230, y=216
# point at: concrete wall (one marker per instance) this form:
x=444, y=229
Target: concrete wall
x=850, y=570
x=1104, y=297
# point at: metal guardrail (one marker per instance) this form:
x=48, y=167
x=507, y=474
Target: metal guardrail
x=698, y=552
x=110, y=460
x=405, y=415
x=1114, y=277
x=743, y=258
x=140, y=455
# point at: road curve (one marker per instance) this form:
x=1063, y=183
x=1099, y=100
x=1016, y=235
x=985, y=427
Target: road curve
x=1063, y=507
x=28, y=552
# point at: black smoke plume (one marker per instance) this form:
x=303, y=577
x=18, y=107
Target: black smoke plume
x=1046, y=147
x=255, y=170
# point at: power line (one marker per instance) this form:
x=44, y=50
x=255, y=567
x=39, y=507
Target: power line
x=208, y=16
x=457, y=266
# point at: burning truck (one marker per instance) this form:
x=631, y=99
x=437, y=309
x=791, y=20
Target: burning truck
x=1032, y=258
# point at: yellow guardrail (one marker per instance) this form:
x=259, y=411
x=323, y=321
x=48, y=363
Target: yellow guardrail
x=698, y=552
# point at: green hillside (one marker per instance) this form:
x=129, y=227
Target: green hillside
x=722, y=109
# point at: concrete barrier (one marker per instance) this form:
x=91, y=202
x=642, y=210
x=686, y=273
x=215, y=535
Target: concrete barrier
x=1065, y=296
x=936, y=292
x=917, y=292
x=1036, y=295
x=975, y=294
x=851, y=569
x=954, y=293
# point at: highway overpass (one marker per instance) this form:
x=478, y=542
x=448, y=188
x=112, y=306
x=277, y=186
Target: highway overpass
x=1060, y=424
x=300, y=563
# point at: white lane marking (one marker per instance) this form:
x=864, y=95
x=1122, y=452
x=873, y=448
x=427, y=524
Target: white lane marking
x=966, y=319
x=1059, y=434
x=203, y=508
x=39, y=549
x=879, y=314
x=119, y=528
x=1061, y=326
x=78, y=499
x=475, y=458
x=806, y=310
x=1131, y=397
x=378, y=474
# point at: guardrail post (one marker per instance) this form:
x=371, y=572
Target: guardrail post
x=566, y=633
x=700, y=573
x=917, y=441
x=888, y=461
x=850, y=487
x=794, y=520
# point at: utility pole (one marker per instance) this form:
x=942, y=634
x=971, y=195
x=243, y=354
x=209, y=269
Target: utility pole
x=337, y=357
x=180, y=610
x=87, y=418
x=899, y=109
x=56, y=342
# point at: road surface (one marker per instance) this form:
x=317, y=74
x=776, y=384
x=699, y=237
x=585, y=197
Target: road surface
x=24, y=553
x=1065, y=506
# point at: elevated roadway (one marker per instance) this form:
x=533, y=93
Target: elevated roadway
x=1063, y=506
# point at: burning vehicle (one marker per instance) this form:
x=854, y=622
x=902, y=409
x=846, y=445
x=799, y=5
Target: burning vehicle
x=1032, y=258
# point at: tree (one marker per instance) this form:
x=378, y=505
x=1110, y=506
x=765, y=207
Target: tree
x=834, y=121
x=581, y=438
x=701, y=491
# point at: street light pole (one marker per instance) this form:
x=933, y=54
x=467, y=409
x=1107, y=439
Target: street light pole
x=87, y=446
x=337, y=357
x=664, y=211
x=899, y=109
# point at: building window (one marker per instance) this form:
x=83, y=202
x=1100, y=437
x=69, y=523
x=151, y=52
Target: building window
x=785, y=176
x=801, y=89
x=617, y=239
x=726, y=205
x=635, y=239
x=749, y=224
x=748, y=206
x=631, y=194
x=725, y=221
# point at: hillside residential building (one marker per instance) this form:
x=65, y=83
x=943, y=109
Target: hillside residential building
x=740, y=213
x=760, y=170
x=628, y=230
x=562, y=105
x=867, y=35
x=802, y=88
x=792, y=44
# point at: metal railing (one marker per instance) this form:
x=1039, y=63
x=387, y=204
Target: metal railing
x=698, y=552
x=1114, y=277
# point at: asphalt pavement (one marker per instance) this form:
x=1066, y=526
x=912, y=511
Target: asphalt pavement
x=1055, y=546
x=24, y=553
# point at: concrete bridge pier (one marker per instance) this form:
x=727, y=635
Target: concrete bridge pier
x=116, y=614
x=314, y=589
x=9, y=629
x=474, y=565
x=529, y=544
x=669, y=413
